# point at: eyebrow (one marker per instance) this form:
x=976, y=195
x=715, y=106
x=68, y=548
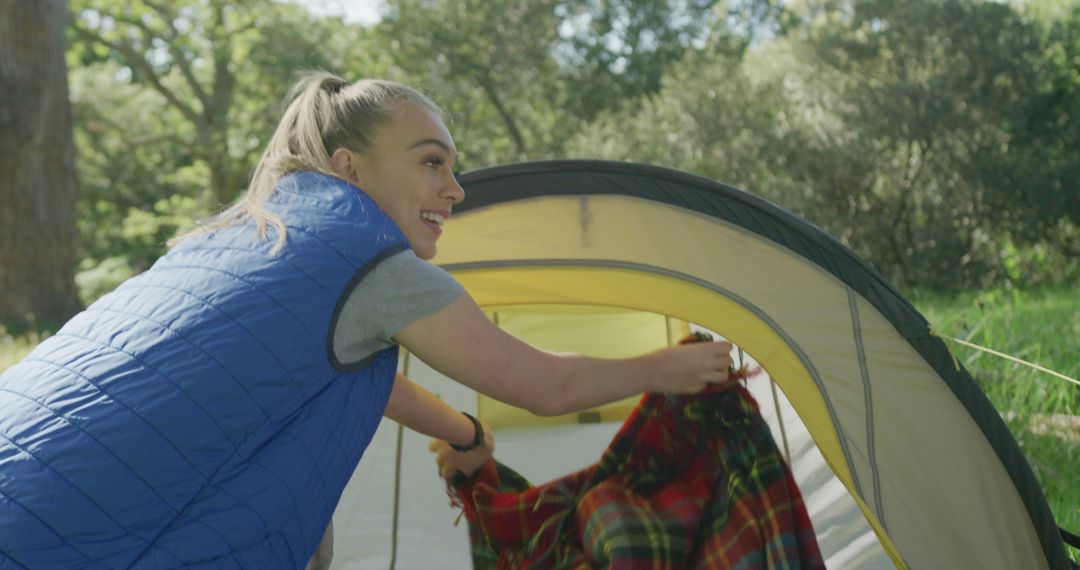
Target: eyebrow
x=435, y=142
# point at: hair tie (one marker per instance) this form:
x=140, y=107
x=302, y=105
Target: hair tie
x=334, y=85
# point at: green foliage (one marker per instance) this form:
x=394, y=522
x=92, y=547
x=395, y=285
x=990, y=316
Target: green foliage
x=618, y=52
x=941, y=84
x=717, y=116
x=131, y=153
x=520, y=78
x=96, y=278
x=489, y=63
x=894, y=126
x=133, y=163
x=17, y=342
x=939, y=139
x=137, y=241
x=216, y=70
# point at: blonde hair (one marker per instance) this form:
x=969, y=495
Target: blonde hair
x=323, y=113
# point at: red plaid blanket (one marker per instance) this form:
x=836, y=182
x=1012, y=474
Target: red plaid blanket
x=688, y=482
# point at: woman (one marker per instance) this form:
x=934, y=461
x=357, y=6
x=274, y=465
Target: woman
x=210, y=411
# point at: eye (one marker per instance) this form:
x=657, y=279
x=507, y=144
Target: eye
x=434, y=161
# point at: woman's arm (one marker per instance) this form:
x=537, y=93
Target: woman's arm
x=419, y=410
x=462, y=343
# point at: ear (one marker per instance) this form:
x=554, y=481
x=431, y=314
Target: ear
x=347, y=165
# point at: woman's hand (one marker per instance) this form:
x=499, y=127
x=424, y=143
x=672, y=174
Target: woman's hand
x=690, y=368
x=451, y=462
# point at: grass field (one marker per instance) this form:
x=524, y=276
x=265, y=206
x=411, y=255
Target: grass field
x=1043, y=412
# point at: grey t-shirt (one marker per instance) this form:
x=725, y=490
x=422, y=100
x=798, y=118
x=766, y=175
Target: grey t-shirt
x=399, y=290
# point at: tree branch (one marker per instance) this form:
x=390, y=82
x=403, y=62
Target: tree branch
x=134, y=143
x=178, y=56
x=489, y=89
x=222, y=48
x=136, y=60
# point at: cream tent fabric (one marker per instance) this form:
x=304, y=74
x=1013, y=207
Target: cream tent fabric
x=901, y=434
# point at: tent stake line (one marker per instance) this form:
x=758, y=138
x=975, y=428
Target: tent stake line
x=1016, y=360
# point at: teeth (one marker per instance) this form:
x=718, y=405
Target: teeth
x=432, y=216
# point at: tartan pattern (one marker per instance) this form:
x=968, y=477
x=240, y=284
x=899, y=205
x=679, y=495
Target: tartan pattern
x=688, y=482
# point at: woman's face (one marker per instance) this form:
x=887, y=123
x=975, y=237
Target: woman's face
x=409, y=174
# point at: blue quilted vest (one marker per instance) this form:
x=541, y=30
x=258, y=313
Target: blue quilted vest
x=196, y=417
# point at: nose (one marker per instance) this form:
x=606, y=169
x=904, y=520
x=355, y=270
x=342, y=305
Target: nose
x=453, y=190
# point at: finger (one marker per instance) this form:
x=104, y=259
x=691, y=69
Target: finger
x=442, y=457
x=449, y=472
x=433, y=445
x=718, y=376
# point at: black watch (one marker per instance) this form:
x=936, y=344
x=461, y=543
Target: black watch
x=478, y=439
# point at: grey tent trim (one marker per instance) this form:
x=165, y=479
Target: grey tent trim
x=864, y=376
x=580, y=178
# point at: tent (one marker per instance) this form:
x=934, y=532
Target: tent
x=902, y=460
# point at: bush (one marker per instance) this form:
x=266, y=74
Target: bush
x=138, y=243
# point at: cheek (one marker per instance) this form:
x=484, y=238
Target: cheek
x=408, y=226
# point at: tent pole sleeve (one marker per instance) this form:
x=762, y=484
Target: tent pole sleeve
x=397, y=477
x=780, y=419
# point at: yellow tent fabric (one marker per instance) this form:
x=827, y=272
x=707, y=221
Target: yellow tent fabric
x=600, y=332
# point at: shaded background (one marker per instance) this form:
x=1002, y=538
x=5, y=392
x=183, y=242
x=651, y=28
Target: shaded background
x=939, y=138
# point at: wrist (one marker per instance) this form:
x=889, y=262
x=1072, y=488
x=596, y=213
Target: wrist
x=478, y=436
x=654, y=370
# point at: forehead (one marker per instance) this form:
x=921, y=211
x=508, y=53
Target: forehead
x=414, y=123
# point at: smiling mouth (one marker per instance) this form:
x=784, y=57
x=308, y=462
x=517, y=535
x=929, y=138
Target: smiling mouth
x=437, y=219
x=434, y=221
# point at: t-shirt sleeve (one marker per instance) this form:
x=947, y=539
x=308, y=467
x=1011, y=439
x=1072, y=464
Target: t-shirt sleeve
x=399, y=290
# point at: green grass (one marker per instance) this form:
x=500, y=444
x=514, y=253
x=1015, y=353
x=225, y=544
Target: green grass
x=15, y=345
x=1043, y=412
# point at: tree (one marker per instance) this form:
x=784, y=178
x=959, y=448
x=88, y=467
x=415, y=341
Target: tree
x=188, y=52
x=215, y=72
x=619, y=51
x=37, y=196
x=920, y=134
x=489, y=64
x=519, y=79
x=929, y=94
x=715, y=116
x=1048, y=133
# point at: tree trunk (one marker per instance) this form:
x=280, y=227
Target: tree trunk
x=37, y=171
x=222, y=182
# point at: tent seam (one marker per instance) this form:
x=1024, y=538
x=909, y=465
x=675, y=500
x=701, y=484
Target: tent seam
x=868, y=403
